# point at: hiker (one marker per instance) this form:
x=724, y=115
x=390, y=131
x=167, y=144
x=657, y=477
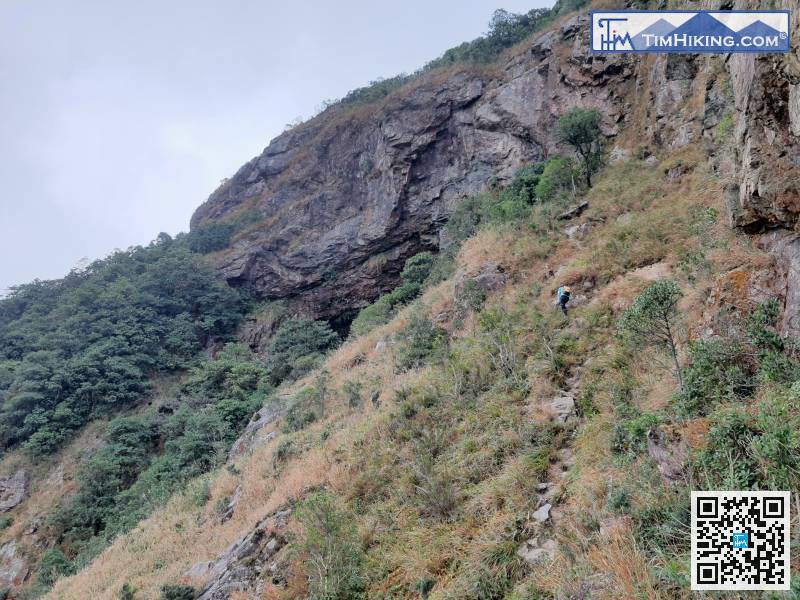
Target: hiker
x=563, y=295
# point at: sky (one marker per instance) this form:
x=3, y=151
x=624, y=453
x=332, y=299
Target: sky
x=118, y=119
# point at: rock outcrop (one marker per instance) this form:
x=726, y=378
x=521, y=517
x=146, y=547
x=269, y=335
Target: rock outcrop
x=247, y=563
x=331, y=209
x=338, y=203
x=13, y=489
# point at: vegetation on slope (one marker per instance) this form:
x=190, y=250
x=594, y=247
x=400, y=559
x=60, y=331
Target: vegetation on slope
x=430, y=449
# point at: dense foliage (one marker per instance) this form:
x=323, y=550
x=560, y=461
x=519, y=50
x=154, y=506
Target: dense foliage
x=131, y=474
x=84, y=346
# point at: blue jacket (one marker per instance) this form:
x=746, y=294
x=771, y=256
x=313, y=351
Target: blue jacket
x=562, y=295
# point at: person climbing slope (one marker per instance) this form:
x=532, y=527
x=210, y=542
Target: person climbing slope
x=563, y=295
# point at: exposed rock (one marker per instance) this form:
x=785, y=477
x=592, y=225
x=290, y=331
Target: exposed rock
x=651, y=161
x=533, y=552
x=238, y=568
x=578, y=231
x=344, y=199
x=13, y=566
x=227, y=514
x=575, y=211
x=542, y=513
x=254, y=434
x=653, y=272
x=384, y=343
x=785, y=284
x=12, y=490
x=489, y=279
x=669, y=455
x=618, y=155
x=562, y=407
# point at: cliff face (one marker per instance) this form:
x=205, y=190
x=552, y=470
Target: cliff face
x=343, y=200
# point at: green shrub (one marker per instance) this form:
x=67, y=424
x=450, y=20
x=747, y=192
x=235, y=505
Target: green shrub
x=54, y=565
x=422, y=341
x=417, y=268
x=170, y=591
x=127, y=592
x=335, y=564
x=294, y=340
x=211, y=237
x=560, y=177
x=653, y=320
x=352, y=392
x=753, y=451
x=630, y=434
x=717, y=371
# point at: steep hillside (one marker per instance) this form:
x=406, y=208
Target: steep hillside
x=465, y=439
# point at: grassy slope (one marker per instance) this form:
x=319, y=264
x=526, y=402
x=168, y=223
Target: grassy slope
x=488, y=429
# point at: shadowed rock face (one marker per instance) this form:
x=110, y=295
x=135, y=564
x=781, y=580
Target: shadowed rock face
x=340, y=202
x=343, y=200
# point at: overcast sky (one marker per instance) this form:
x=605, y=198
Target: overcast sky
x=118, y=118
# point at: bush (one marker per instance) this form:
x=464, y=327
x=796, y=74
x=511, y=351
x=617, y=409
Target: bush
x=416, y=274
x=171, y=591
x=330, y=540
x=296, y=339
x=630, y=434
x=211, y=237
x=653, y=320
x=54, y=564
x=717, y=371
x=754, y=451
x=423, y=340
x=417, y=268
x=559, y=178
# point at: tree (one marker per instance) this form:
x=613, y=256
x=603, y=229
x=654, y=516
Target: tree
x=330, y=540
x=580, y=128
x=653, y=320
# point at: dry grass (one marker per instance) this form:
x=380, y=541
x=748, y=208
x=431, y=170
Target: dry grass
x=358, y=454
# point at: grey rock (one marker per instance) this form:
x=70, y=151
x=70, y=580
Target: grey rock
x=533, y=552
x=334, y=193
x=575, y=211
x=619, y=155
x=562, y=407
x=238, y=568
x=227, y=514
x=13, y=489
x=14, y=567
x=254, y=435
x=669, y=455
x=542, y=513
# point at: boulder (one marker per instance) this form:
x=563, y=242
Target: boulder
x=575, y=211
x=542, y=514
x=13, y=489
x=561, y=408
x=14, y=567
x=669, y=455
x=533, y=552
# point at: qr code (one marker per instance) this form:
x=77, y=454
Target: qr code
x=740, y=540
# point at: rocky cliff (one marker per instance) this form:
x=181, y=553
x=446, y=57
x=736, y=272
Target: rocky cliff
x=344, y=199
x=341, y=201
